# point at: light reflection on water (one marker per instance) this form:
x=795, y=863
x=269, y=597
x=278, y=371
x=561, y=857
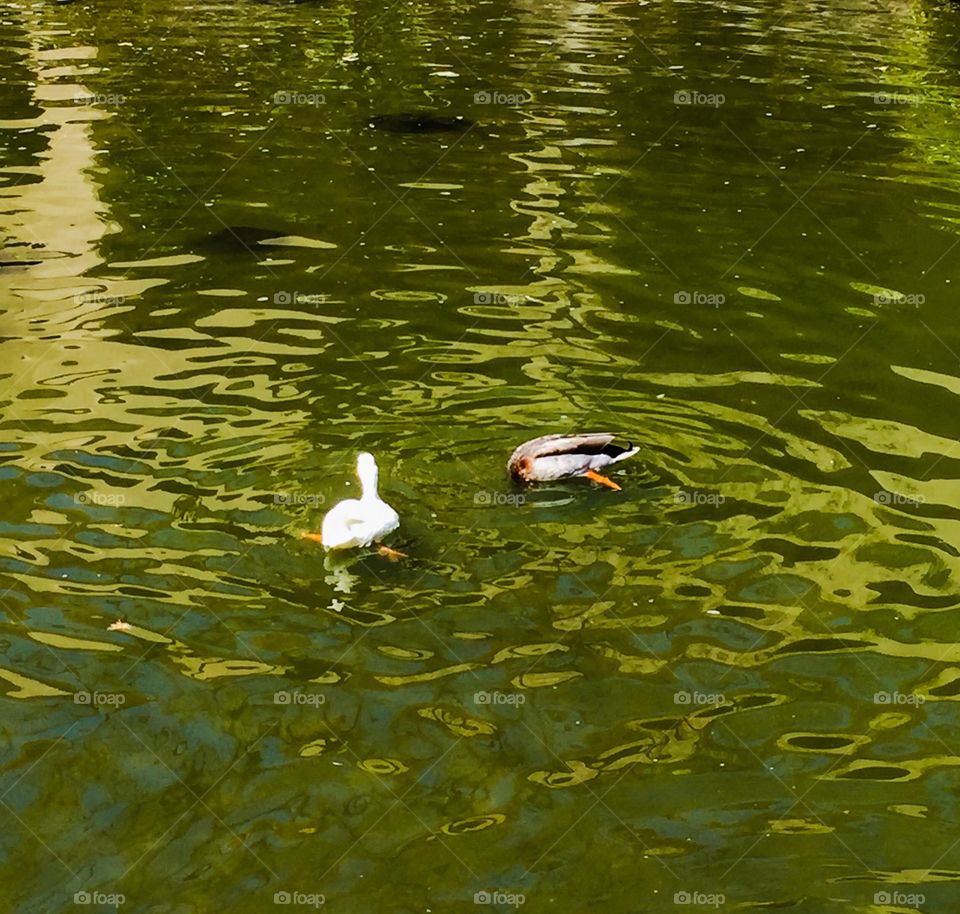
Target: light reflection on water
x=566, y=694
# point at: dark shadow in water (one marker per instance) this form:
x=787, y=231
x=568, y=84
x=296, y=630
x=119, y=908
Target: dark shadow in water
x=419, y=122
x=241, y=239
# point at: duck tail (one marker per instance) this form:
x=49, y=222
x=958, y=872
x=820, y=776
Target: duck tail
x=628, y=451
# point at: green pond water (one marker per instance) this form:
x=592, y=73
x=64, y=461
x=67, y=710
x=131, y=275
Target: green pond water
x=727, y=231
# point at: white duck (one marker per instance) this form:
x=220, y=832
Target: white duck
x=359, y=521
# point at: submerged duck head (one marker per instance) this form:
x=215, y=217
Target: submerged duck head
x=523, y=468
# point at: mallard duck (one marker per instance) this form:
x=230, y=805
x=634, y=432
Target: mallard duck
x=359, y=521
x=561, y=456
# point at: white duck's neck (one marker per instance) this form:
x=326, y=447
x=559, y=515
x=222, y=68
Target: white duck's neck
x=369, y=477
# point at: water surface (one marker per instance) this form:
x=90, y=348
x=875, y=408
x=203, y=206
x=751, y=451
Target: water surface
x=726, y=230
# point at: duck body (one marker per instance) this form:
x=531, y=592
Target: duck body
x=551, y=457
x=359, y=521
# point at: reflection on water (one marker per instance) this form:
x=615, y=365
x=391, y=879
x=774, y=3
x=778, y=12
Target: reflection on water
x=727, y=232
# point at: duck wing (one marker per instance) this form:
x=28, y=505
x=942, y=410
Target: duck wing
x=556, y=445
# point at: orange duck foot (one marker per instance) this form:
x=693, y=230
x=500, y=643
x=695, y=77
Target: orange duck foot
x=391, y=554
x=603, y=480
